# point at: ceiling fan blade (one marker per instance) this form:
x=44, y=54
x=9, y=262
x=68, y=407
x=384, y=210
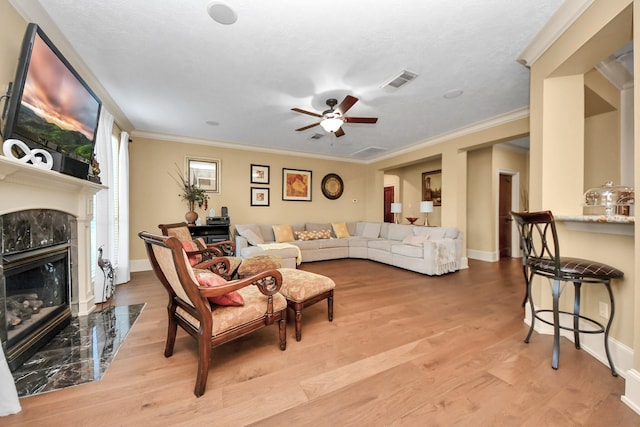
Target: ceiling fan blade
x=360, y=119
x=346, y=103
x=339, y=132
x=298, y=110
x=308, y=127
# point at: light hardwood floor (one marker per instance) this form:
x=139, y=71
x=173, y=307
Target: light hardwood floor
x=403, y=349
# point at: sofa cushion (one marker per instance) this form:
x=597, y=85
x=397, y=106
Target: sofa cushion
x=266, y=230
x=399, y=231
x=207, y=279
x=433, y=232
x=251, y=232
x=415, y=240
x=408, y=250
x=333, y=243
x=370, y=230
x=283, y=233
x=314, y=234
x=340, y=230
x=382, y=244
x=358, y=242
x=306, y=245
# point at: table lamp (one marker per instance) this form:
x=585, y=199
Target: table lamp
x=426, y=207
x=396, y=208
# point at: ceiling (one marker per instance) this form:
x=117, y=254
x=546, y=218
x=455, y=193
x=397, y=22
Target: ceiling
x=170, y=69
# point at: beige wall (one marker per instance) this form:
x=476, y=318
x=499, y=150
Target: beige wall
x=12, y=28
x=563, y=149
x=480, y=233
x=154, y=193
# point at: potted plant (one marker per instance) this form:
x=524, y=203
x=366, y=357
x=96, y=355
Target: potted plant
x=192, y=194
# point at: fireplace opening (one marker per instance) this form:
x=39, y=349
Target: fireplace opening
x=36, y=299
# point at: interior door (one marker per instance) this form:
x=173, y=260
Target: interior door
x=504, y=216
x=389, y=197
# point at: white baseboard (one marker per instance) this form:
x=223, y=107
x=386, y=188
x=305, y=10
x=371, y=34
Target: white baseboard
x=593, y=344
x=140, y=265
x=483, y=255
x=631, y=396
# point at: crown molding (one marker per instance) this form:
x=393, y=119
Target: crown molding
x=563, y=18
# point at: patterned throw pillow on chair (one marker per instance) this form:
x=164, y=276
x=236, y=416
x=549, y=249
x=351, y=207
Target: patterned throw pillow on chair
x=206, y=279
x=192, y=246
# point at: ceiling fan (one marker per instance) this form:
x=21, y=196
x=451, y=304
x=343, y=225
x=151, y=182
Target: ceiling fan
x=333, y=118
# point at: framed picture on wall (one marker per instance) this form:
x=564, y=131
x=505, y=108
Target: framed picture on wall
x=204, y=173
x=296, y=185
x=259, y=174
x=432, y=186
x=259, y=196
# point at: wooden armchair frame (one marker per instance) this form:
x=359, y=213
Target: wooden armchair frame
x=219, y=257
x=190, y=309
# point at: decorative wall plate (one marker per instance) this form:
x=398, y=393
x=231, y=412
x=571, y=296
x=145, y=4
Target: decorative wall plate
x=332, y=186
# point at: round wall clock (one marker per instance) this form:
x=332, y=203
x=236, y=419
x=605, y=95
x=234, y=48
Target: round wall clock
x=332, y=186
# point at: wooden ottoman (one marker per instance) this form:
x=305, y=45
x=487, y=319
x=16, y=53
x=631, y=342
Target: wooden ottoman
x=258, y=264
x=302, y=289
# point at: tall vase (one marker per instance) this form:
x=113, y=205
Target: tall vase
x=192, y=215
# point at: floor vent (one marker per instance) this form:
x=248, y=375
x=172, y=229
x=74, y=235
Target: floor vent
x=400, y=80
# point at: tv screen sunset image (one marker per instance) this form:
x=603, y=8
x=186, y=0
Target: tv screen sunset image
x=56, y=109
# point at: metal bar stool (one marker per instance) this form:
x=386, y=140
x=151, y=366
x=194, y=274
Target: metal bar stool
x=541, y=256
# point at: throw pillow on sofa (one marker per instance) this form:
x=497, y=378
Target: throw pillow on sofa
x=251, y=232
x=415, y=240
x=340, y=230
x=206, y=279
x=313, y=234
x=283, y=233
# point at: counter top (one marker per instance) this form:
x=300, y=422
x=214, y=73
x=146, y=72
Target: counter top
x=612, y=219
x=614, y=224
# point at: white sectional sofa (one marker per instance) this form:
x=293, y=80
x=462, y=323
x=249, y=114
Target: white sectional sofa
x=426, y=250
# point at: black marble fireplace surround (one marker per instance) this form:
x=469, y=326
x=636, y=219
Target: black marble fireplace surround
x=35, y=280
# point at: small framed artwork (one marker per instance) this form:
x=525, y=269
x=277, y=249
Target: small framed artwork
x=204, y=173
x=296, y=185
x=259, y=174
x=432, y=186
x=259, y=196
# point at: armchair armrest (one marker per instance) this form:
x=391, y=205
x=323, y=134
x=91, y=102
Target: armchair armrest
x=268, y=282
x=217, y=265
x=225, y=248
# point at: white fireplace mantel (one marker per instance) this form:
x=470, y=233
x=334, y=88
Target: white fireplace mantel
x=24, y=186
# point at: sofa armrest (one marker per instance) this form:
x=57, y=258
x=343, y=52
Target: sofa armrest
x=241, y=243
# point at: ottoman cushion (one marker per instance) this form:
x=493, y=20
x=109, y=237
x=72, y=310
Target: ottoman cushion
x=300, y=285
x=259, y=263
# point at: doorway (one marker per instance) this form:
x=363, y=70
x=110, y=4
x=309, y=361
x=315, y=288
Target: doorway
x=389, y=197
x=508, y=190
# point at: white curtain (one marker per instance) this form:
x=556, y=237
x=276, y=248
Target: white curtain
x=123, y=274
x=9, y=403
x=104, y=199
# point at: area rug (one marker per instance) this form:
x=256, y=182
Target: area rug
x=78, y=354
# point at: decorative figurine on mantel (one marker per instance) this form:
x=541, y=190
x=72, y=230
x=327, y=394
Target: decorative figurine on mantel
x=94, y=171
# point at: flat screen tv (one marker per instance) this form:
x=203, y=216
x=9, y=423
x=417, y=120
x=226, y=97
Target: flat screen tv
x=50, y=106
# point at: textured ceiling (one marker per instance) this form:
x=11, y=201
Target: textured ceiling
x=171, y=69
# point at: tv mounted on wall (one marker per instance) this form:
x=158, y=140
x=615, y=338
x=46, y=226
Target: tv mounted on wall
x=51, y=106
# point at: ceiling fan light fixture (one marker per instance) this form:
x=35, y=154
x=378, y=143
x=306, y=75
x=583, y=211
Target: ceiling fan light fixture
x=331, y=124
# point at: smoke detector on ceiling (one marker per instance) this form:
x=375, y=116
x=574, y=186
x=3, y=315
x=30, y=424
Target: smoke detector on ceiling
x=400, y=80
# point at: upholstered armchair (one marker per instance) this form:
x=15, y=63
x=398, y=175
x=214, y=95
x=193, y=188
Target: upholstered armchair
x=209, y=308
x=201, y=252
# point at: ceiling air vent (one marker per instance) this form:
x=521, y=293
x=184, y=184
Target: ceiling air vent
x=368, y=152
x=400, y=80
